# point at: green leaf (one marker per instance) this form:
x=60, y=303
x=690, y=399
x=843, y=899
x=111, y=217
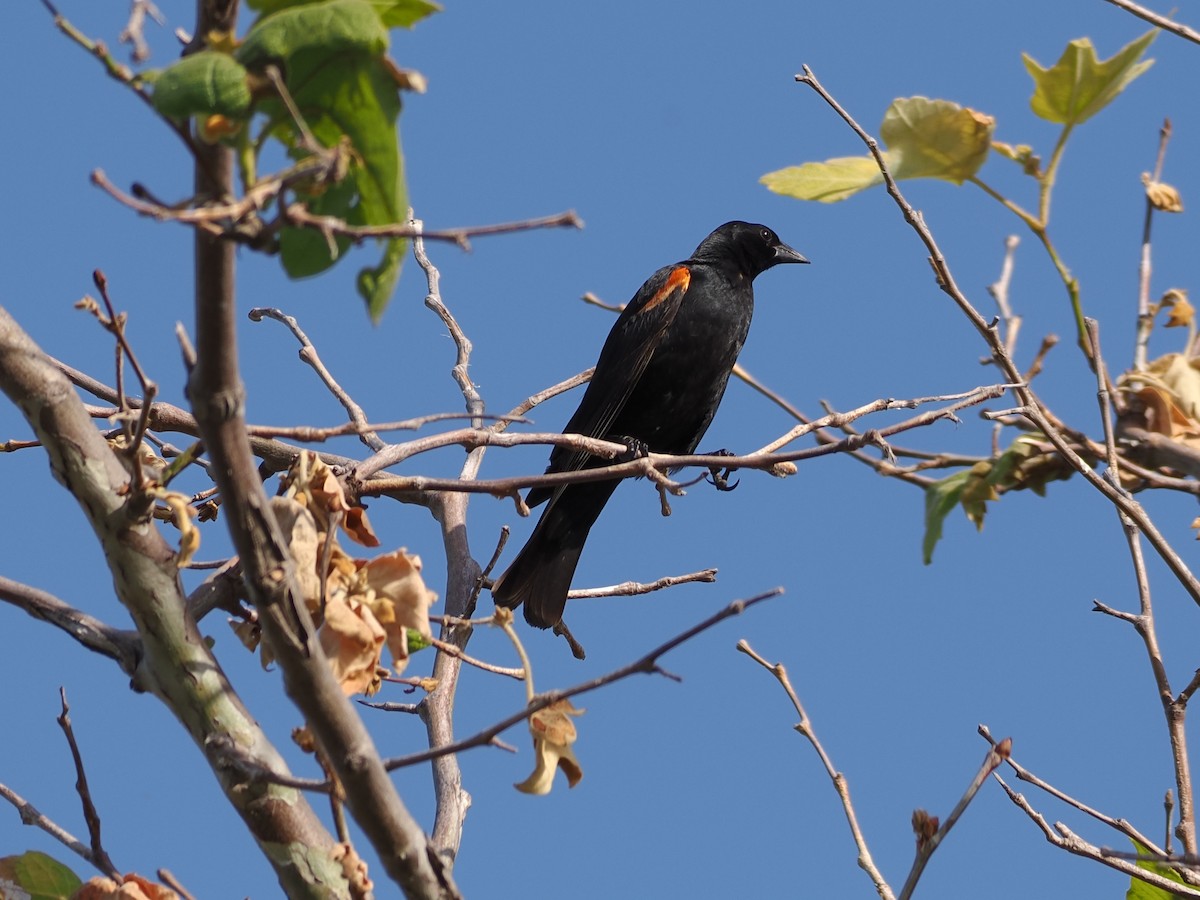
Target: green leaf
x=416, y=640
x=925, y=139
x=1140, y=890
x=354, y=96
x=37, y=875
x=328, y=28
x=305, y=251
x=405, y=13
x=205, y=83
x=940, y=497
x=393, y=13
x=935, y=139
x=1078, y=86
x=377, y=285
x=827, y=182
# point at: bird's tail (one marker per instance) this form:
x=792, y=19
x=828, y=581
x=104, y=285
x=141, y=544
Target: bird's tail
x=541, y=574
x=540, y=578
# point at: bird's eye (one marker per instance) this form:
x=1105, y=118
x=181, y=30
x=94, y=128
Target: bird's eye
x=766, y=235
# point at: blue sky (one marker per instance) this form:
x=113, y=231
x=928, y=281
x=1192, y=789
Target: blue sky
x=654, y=122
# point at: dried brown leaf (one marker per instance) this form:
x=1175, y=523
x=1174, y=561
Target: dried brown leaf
x=553, y=734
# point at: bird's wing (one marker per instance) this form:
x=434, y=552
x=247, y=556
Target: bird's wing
x=626, y=352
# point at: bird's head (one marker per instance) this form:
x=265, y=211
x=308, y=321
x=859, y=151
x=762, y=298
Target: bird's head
x=752, y=248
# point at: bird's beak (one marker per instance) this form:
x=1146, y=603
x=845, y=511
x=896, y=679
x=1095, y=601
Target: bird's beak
x=785, y=254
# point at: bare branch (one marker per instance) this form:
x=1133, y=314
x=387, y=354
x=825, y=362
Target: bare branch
x=999, y=291
x=927, y=845
x=299, y=216
x=90, y=815
x=309, y=355
x=134, y=31
x=1145, y=315
x=123, y=646
x=1032, y=408
x=1159, y=20
x=1025, y=775
x=804, y=726
x=633, y=588
x=646, y=665
x=30, y=815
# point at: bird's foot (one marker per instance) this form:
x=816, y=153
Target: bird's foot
x=635, y=448
x=720, y=477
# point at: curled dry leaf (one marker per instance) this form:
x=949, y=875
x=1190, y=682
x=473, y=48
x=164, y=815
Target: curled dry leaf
x=153, y=465
x=300, y=529
x=924, y=827
x=1162, y=196
x=367, y=603
x=353, y=640
x=130, y=887
x=1169, y=391
x=182, y=513
x=355, y=870
x=1183, y=314
x=312, y=483
x=400, y=601
x=553, y=734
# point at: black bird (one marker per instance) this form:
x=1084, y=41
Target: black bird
x=657, y=385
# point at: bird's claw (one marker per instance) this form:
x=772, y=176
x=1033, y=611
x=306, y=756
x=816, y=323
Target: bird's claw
x=635, y=448
x=718, y=477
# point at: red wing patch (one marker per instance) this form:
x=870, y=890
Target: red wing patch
x=678, y=280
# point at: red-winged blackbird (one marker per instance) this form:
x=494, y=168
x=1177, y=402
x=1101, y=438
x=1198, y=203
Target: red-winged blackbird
x=658, y=382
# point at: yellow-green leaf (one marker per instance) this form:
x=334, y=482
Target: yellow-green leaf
x=935, y=139
x=36, y=875
x=1078, y=86
x=828, y=182
x=925, y=139
x=1140, y=890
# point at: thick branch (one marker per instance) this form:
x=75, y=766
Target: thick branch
x=218, y=401
x=176, y=664
x=123, y=646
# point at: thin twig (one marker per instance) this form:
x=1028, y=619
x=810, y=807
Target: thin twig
x=309, y=355
x=116, y=70
x=30, y=815
x=134, y=31
x=1029, y=777
x=1063, y=837
x=455, y=650
x=1159, y=20
x=654, y=464
x=167, y=877
x=999, y=291
x=926, y=846
x=633, y=588
x=1144, y=622
x=99, y=855
x=804, y=726
x=1033, y=408
x=433, y=300
x=299, y=216
x=1145, y=314
x=647, y=664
